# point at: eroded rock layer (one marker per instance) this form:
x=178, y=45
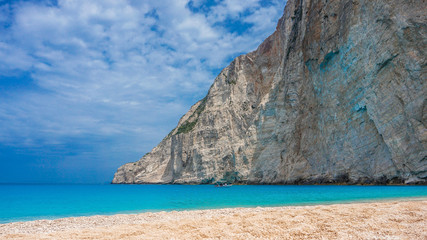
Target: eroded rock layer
x=337, y=94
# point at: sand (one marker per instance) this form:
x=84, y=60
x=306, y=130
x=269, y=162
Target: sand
x=404, y=219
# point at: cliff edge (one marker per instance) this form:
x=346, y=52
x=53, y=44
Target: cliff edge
x=337, y=94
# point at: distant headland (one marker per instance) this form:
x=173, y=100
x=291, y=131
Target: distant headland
x=337, y=94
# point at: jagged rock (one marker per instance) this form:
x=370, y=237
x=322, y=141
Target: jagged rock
x=337, y=94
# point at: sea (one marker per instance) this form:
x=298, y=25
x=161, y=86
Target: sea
x=20, y=202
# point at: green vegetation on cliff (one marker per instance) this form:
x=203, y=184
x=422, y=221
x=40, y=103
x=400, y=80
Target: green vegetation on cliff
x=187, y=126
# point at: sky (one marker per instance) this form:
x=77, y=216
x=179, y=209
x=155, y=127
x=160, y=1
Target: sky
x=86, y=86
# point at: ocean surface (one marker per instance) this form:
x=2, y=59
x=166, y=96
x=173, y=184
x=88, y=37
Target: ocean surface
x=31, y=202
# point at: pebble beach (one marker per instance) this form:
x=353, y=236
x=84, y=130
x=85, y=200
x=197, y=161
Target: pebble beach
x=397, y=219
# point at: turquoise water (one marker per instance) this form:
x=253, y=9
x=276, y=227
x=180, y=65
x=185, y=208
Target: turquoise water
x=30, y=202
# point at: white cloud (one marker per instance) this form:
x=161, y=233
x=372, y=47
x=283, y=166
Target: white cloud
x=233, y=9
x=14, y=58
x=262, y=19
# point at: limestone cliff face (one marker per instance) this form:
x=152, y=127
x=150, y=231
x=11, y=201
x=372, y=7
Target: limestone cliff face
x=336, y=94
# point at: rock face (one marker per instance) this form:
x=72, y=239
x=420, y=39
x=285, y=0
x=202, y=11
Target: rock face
x=337, y=94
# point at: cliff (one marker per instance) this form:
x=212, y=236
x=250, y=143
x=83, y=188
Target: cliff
x=337, y=94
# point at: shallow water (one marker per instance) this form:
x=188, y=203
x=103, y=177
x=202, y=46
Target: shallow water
x=31, y=202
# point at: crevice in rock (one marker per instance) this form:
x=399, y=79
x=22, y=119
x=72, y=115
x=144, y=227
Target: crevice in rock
x=386, y=62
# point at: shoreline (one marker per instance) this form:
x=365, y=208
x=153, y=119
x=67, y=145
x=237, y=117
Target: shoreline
x=296, y=183
x=303, y=204
x=403, y=218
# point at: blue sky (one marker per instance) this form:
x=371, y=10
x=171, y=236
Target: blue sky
x=86, y=86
